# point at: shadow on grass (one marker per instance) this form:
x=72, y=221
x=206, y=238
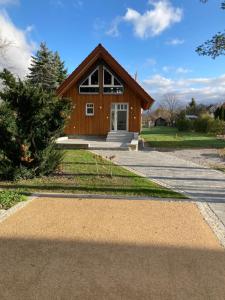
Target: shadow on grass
x=101, y=175
x=207, y=144
x=144, y=165
x=74, y=269
x=139, y=190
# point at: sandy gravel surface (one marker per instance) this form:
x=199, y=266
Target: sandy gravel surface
x=109, y=249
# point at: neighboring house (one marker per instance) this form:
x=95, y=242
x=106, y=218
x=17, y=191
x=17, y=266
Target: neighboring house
x=191, y=117
x=105, y=97
x=161, y=122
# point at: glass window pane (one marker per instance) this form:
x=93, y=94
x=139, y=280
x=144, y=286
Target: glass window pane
x=113, y=120
x=116, y=82
x=94, y=78
x=113, y=90
x=89, y=90
x=85, y=82
x=107, y=78
x=122, y=120
x=90, y=109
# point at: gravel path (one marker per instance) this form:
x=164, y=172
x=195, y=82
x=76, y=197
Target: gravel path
x=204, y=157
x=109, y=249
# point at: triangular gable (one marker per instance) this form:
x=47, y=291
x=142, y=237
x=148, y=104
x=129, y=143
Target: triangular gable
x=101, y=53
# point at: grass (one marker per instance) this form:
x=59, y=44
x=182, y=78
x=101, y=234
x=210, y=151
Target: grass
x=9, y=198
x=167, y=137
x=84, y=172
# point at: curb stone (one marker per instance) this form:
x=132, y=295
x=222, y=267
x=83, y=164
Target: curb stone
x=7, y=213
x=214, y=222
x=105, y=196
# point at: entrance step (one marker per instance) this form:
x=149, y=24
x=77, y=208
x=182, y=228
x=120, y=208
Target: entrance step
x=120, y=136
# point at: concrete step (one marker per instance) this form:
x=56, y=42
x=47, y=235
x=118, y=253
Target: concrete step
x=117, y=136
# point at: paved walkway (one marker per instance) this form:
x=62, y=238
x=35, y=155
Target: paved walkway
x=109, y=249
x=91, y=143
x=198, y=182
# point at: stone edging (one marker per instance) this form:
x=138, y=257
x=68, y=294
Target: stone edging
x=15, y=208
x=214, y=222
x=102, y=196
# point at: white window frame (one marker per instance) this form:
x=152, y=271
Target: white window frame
x=86, y=110
x=113, y=81
x=89, y=83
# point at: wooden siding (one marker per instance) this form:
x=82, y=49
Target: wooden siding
x=99, y=124
x=101, y=54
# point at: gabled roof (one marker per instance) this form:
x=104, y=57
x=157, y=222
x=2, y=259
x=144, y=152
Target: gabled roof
x=101, y=53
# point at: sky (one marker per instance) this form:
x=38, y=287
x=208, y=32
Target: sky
x=155, y=38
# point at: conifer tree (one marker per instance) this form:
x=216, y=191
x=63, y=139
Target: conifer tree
x=61, y=71
x=31, y=119
x=47, y=70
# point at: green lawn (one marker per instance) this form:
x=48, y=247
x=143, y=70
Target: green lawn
x=10, y=198
x=85, y=172
x=167, y=137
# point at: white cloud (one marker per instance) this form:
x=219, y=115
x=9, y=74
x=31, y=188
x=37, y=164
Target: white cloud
x=17, y=55
x=114, y=30
x=182, y=70
x=179, y=70
x=175, y=42
x=203, y=89
x=166, y=68
x=155, y=21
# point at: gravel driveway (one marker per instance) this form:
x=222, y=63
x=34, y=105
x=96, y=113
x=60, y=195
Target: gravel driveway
x=109, y=249
x=204, y=157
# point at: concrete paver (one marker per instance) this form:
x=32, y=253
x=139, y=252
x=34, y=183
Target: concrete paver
x=109, y=249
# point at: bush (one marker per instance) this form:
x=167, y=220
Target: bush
x=217, y=127
x=203, y=124
x=184, y=124
x=10, y=198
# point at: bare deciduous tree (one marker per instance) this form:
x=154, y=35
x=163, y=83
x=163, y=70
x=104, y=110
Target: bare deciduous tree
x=171, y=104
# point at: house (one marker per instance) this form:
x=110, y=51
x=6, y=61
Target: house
x=191, y=117
x=161, y=122
x=105, y=98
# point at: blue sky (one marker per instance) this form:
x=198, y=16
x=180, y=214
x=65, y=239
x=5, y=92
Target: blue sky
x=155, y=38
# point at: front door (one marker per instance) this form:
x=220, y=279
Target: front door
x=119, y=117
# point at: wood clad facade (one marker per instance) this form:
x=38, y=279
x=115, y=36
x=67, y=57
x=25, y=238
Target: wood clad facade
x=100, y=122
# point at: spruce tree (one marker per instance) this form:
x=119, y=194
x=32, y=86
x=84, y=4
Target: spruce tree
x=192, y=107
x=61, y=71
x=47, y=70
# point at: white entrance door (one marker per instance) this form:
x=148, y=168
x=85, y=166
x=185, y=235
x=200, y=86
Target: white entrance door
x=119, y=117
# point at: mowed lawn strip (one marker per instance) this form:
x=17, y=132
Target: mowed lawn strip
x=167, y=137
x=85, y=172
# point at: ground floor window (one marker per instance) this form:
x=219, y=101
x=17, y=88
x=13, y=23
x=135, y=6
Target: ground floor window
x=89, y=109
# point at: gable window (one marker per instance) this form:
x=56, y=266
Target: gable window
x=89, y=109
x=111, y=85
x=90, y=85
